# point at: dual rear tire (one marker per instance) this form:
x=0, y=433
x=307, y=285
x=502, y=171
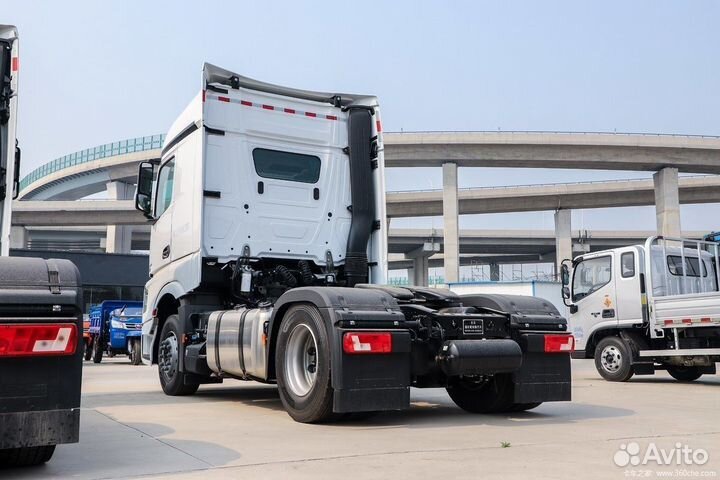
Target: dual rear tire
x=494, y=395
x=26, y=456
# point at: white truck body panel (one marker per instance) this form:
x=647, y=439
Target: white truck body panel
x=8, y=133
x=218, y=197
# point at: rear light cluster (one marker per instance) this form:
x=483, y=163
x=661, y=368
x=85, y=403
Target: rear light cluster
x=367, y=342
x=559, y=343
x=37, y=340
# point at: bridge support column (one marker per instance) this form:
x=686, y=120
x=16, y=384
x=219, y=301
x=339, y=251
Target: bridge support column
x=18, y=237
x=451, y=232
x=418, y=274
x=667, y=202
x=494, y=272
x=119, y=237
x=563, y=237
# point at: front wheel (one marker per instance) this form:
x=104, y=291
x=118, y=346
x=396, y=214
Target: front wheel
x=97, y=352
x=26, y=456
x=493, y=395
x=613, y=359
x=303, y=365
x=172, y=379
x=684, y=374
x=88, y=350
x=135, y=358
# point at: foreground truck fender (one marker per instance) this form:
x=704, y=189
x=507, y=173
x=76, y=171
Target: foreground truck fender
x=268, y=255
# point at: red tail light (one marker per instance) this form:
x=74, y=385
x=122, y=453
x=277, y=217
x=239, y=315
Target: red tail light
x=364, y=342
x=559, y=343
x=37, y=340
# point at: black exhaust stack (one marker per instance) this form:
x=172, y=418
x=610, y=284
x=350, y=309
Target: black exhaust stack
x=362, y=190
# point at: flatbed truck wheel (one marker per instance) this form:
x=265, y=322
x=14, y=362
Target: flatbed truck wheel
x=493, y=396
x=26, y=456
x=97, y=352
x=684, y=374
x=302, y=360
x=135, y=358
x=172, y=379
x=613, y=359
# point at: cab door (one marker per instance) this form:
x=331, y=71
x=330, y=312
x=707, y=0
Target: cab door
x=594, y=296
x=161, y=237
x=628, y=305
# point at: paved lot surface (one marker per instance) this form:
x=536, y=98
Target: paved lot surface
x=239, y=430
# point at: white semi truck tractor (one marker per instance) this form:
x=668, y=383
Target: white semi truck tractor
x=643, y=308
x=40, y=314
x=268, y=258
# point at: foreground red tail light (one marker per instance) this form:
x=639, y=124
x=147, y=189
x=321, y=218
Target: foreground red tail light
x=362, y=342
x=37, y=340
x=559, y=343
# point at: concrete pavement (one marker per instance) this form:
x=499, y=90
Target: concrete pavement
x=239, y=430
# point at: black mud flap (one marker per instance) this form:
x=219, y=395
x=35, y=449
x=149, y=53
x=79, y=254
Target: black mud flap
x=543, y=377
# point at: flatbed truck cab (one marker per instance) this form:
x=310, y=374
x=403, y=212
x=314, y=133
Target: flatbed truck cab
x=268, y=259
x=649, y=307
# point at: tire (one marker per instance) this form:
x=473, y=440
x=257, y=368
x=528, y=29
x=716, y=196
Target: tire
x=302, y=362
x=88, y=350
x=135, y=357
x=613, y=359
x=172, y=379
x=26, y=456
x=684, y=374
x=97, y=352
x=493, y=396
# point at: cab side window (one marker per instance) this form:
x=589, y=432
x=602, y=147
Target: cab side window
x=166, y=181
x=590, y=276
x=627, y=264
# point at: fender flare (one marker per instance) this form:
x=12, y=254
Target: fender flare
x=173, y=289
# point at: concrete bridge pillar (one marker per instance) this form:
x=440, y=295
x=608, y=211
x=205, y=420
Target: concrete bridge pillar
x=119, y=237
x=18, y=237
x=667, y=202
x=451, y=232
x=494, y=272
x=418, y=274
x=563, y=237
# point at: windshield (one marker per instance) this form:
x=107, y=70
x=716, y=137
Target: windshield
x=591, y=275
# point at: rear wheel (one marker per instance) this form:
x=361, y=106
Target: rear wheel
x=613, y=359
x=490, y=396
x=172, y=379
x=88, y=350
x=684, y=374
x=303, y=365
x=97, y=352
x=135, y=358
x=26, y=456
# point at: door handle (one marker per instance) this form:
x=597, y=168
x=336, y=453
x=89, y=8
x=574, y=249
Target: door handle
x=166, y=251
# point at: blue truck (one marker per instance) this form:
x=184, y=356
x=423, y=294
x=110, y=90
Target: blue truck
x=116, y=327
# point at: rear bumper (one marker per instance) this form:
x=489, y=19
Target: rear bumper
x=37, y=428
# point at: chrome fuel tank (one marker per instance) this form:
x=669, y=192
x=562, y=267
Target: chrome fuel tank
x=236, y=342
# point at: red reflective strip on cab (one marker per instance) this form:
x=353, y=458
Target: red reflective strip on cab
x=224, y=99
x=289, y=110
x=246, y=103
x=268, y=107
x=15, y=64
x=378, y=125
x=310, y=114
x=331, y=117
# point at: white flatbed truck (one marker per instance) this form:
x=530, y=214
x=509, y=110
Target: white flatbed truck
x=649, y=307
x=268, y=255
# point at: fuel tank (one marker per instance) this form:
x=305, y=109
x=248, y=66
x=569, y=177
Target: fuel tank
x=236, y=342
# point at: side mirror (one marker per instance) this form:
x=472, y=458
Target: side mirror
x=565, y=277
x=566, y=292
x=143, y=194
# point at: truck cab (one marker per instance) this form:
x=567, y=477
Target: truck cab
x=643, y=308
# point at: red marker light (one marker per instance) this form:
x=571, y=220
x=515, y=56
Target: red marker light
x=367, y=342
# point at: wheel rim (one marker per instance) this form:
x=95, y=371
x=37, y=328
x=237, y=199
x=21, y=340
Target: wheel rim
x=301, y=360
x=611, y=359
x=168, y=357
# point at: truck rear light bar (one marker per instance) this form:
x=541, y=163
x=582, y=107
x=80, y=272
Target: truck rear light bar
x=559, y=343
x=367, y=342
x=37, y=340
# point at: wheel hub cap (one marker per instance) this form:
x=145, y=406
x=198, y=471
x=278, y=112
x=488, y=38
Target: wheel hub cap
x=168, y=357
x=611, y=359
x=301, y=360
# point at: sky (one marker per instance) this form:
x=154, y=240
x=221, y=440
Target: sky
x=99, y=71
